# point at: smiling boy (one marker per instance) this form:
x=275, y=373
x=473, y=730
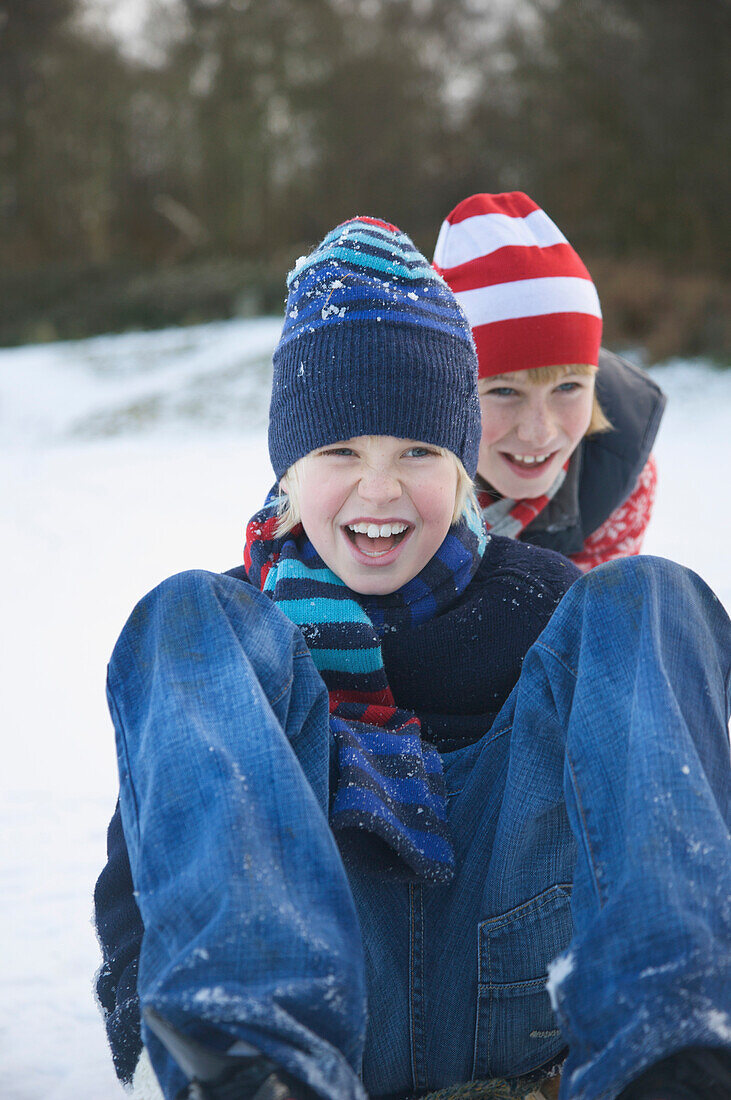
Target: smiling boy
x=335, y=871
x=530, y=428
x=567, y=427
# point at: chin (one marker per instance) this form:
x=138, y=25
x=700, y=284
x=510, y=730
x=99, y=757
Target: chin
x=372, y=586
x=531, y=493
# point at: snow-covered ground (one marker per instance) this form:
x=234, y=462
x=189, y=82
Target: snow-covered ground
x=124, y=459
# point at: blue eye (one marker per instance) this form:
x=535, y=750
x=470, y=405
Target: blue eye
x=501, y=391
x=568, y=387
x=419, y=452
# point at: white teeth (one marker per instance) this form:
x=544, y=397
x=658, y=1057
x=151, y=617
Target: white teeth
x=530, y=460
x=375, y=530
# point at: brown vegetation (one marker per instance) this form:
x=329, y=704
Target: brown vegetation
x=138, y=192
x=666, y=313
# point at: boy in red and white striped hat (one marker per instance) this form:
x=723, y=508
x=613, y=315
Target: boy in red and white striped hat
x=567, y=426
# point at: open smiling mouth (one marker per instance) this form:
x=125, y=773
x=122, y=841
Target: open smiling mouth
x=376, y=539
x=528, y=462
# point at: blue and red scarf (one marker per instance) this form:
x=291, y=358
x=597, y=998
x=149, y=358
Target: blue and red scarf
x=503, y=516
x=388, y=811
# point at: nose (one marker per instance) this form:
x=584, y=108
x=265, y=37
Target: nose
x=379, y=485
x=536, y=426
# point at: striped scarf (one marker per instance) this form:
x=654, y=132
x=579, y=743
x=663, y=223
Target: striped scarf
x=388, y=811
x=511, y=517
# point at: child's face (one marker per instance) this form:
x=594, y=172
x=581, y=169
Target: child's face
x=369, y=482
x=524, y=421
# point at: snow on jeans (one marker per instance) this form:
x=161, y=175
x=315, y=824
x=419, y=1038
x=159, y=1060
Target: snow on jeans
x=590, y=822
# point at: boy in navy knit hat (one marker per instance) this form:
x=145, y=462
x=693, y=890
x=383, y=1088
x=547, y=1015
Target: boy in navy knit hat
x=367, y=815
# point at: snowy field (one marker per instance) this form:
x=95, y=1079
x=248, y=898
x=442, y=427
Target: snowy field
x=124, y=459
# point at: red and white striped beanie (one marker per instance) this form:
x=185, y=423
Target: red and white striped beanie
x=527, y=295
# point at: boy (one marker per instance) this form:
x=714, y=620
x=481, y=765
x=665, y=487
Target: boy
x=553, y=469
x=369, y=903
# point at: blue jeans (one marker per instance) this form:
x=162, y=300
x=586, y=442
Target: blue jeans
x=590, y=822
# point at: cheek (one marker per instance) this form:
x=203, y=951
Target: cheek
x=575, y=420
x=497, y=422
x=320, y=500
x=434, y=499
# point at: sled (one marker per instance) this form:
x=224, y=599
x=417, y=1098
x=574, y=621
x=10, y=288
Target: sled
x=499, y=1089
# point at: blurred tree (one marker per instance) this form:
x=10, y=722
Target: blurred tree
x=306, y=112
x=620, y=110
x=62, y=99
x=237, y=68
x=382, y=113
x=27, y=27
x=246, y=128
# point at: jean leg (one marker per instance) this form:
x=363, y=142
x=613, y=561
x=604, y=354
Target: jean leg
x=632, y=676
x=251, y=931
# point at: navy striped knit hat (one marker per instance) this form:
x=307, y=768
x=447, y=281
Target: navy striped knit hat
x=374, y=343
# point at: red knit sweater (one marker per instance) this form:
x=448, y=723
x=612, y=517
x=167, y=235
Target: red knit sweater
x=622, y=534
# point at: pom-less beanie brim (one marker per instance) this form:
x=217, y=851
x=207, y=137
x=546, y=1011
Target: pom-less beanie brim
x=359, y=379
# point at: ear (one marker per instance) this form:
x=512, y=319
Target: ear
x=283, y=485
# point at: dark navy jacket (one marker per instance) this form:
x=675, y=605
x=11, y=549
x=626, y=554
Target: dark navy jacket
x=604, y=468
x=455, y=671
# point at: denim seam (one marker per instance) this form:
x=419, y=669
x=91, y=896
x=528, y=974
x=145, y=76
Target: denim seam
x=575, y=785
x=416, y=987
x=412, y=1040
x=284, y=691
x=561, y=660
x=488, y=740
x=477, y=1006
x=522, y=988
x=130, y=782
x=593, y=863
x=565, y=886
x=422, y=988
x=490, y=1006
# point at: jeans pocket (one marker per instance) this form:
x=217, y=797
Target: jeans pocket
x=516, y=1029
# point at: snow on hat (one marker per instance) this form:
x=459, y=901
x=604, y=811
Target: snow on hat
x=374, y=343
x=525, y=290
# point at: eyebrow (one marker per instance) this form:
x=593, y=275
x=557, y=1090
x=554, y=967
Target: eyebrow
x=485, y=383
x=510, y=378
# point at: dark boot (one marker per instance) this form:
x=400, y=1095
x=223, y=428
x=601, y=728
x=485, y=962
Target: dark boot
x=697, y=1073
x=221, y=1076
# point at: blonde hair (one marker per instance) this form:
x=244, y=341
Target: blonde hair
x=543, y=375
x=289, y=502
